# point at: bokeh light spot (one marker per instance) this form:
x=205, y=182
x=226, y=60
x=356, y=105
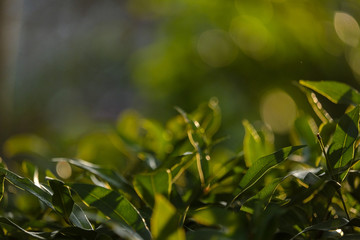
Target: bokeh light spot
x=216, y=48
x=347, y=28
x=252, y=37
x=278, y=110
x=63, y=169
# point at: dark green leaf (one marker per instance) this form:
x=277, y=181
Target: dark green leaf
x=61, y=198
x=334, y=91
x=341, y=151
x=2, y=180
x=112, y=177
x=79, y=219
x=262, y=165
x=325, y=226
x=27, y=185
x=150, y=184
x=165, y=221
x=114, y=205
x=37, y=235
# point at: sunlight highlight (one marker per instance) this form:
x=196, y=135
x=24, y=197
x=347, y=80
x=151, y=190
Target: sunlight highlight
x=278, y=110
x=347, y=28
x=63, y=169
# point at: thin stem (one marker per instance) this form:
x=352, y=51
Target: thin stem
x=343, y=202
x=328, y=166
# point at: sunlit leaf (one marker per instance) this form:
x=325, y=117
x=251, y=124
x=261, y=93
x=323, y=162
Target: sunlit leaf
x=334, y=91
x=165, y=222
x=109, y=175
x=149, y=184
x=114, y=205
x=197, y=140
x=2, y=180
x=254, y=146
x=341, y=151
x=262, y=165
x=61, y=198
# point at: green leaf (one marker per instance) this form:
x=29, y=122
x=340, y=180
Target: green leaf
x=197, y=139
x=78, y=218
x=112, y=177
x=37, y=235
x=61, y=198
x=254, y=146
x=325, y=226
x=334, y=91
x=114, y=205
x=341, y=151
x=27, y=185
x=149, y=184
x=165, y=221
x=262, y=165
x=2, y=180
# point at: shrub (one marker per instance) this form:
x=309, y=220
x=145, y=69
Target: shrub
x=177, y=182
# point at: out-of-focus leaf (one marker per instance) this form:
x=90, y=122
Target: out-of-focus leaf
x=61, y=198
x=112, y=177
x=325, y=226
x=26, y=143
x=334, y=91
x=326, y=131
x=305, y=130
x=255, y=145
x=149, y=184
x=114, y=205
x=75, y=232
x=209, y=234
x=262, y=165
x=37, y=235
x=341, y=151
x=165, y=222
x=231, y=224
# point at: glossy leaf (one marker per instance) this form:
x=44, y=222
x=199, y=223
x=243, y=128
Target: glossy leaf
x=149, y=184
x=165, y=222
x=262, y=165
x=37, y=235
x=79, y=219
x=112, y=177
x=61, y=198
x=27, y=185
x=341, y=151
x=114, y=205
x=334, y=91
x=325, y=226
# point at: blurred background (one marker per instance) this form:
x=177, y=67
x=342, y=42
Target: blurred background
x=69, y=68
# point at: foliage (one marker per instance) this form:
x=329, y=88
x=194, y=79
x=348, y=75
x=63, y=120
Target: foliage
x=178, y=182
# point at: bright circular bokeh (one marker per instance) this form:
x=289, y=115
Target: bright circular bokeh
x=278, y=110
x=63, y=169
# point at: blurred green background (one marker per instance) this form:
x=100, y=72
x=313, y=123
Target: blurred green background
x=69, y=68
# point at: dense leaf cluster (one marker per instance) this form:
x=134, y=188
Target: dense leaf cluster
x=179, y=183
